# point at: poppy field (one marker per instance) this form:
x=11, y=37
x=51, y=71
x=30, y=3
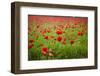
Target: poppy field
x=57, y=37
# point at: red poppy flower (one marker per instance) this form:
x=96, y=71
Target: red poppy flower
x=58, y=32
x=59, y=38
x=80, y=33
x=71, y=42
x=46, y=37
x=44, y=50
x=31, y=41
x=30, y=46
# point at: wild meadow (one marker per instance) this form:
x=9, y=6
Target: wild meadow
x=57, y=37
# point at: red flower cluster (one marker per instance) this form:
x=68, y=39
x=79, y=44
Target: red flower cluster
x=44, y=50
x=59, y=38
x=58, y=32
x=46, y=37
x=30, y=43
x=80, y=33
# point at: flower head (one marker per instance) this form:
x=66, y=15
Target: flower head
x=44, y=50
x=58, y=32
x=80, y=33
x=59, y=38
x=46, y=37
